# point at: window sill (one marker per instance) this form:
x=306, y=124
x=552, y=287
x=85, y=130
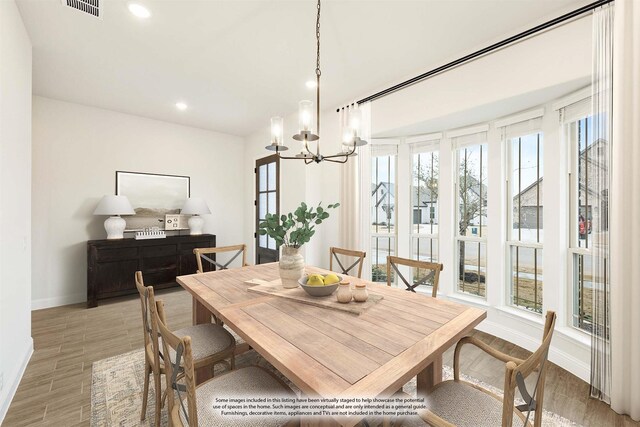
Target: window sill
x=521, y=314
x=469, y=299
x=574, y=334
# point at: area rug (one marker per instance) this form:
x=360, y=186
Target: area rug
x=117, y=385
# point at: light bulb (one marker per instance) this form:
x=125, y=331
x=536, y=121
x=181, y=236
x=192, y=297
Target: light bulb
x=305, y=115
x=276, y=130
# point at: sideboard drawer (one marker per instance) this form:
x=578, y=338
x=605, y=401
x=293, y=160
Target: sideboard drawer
x=116, y=254
x=156, y=251
x=187, y=248
x=157, y=262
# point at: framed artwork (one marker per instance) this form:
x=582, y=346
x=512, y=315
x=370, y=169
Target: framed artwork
x=152, y=196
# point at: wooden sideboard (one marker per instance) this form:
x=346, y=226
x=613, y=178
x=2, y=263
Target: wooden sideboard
x=111, y=264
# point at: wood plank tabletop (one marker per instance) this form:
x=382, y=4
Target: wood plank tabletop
x=331, y=353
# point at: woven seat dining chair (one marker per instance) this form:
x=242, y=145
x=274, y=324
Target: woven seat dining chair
x=333, y=254
x=460, y=403
x=212, y=344
x=431, y=278
x=194, y=404
x=202, y=254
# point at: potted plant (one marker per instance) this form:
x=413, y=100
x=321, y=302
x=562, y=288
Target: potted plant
x=291, y=231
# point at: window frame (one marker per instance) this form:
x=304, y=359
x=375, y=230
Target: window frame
x=574, y=249
x=393, y=237
x=510, y=242
x=458, y=238
x=432, y=149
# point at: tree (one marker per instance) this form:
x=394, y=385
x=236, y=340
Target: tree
x=472, y=194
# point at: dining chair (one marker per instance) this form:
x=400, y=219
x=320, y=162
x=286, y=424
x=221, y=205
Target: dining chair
x=334, y=252
x=194, y=404
x=212, y=345
x=460, y=403
x=432, y=278
x=236, y=250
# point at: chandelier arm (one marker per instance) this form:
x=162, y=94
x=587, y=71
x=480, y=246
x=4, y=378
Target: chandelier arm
x=330, y=159
x=288, y=157
x=306, y=146
x=350, y=153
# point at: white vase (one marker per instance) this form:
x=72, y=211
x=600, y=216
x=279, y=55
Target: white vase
x=291, y=267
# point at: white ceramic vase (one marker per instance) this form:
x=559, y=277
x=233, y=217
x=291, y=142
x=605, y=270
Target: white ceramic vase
x=291, y=267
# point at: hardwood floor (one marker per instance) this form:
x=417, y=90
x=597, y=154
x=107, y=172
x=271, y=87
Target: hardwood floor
x=56, y=387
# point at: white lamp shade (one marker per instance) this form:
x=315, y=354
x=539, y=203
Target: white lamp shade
x=114, y=205
x=195, y=206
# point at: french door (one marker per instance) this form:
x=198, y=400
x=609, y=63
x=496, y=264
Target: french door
x=267, y=200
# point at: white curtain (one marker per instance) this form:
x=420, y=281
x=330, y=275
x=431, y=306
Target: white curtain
x=596, y=159
x=351, y=197
x=625, y=212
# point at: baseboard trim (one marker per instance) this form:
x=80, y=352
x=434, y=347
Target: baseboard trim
x=561, y=358
x=39, y=304
x=4, y=406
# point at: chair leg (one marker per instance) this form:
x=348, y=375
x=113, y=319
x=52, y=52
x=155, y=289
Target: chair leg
x=145, y=393
x=158, y=390
x=233, y=361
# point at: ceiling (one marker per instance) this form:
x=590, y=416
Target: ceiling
x=237, y=63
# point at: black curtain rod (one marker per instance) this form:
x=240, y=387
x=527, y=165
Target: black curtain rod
x=488, y=49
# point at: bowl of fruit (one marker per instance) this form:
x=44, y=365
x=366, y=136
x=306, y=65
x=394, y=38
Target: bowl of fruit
x=319, y=285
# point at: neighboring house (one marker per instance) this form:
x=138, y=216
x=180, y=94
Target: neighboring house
x=425, y=205
x=593, y=161
x=383, y=205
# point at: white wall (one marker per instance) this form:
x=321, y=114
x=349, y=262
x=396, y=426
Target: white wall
x=15, y=202
x=76, y=151
x=556, y=57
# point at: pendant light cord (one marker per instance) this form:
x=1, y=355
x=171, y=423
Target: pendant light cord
x=318, y=73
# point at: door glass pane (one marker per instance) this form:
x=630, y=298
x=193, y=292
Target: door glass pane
x=272, y=203
x=262, y=206
x=262, y=178
x=263, y=241
x=473, y=268
x=271, y=186
x=526, y=278
x=271, y=243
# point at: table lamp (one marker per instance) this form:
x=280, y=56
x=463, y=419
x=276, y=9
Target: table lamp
x=114, y=206
x=195, y=206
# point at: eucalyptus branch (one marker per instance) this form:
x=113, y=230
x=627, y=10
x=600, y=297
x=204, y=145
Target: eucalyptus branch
x=295, y=228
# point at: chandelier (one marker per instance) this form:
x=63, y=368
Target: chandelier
x=351, y=138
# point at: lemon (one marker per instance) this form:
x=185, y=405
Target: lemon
x=315, y=280
x=330, y=279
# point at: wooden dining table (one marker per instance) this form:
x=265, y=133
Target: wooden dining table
x=332, y=353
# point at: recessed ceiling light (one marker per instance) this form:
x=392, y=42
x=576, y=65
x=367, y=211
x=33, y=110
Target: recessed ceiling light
x=311, y=84
x=139, y=10
x=181, y=106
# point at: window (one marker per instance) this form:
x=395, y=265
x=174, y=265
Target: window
x=383, y=209
x=588, y=215
x=424, y=206
x=524, y=183
x=471, y=235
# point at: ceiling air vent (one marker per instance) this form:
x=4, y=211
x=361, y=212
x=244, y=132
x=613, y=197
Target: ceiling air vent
x=92, y=7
